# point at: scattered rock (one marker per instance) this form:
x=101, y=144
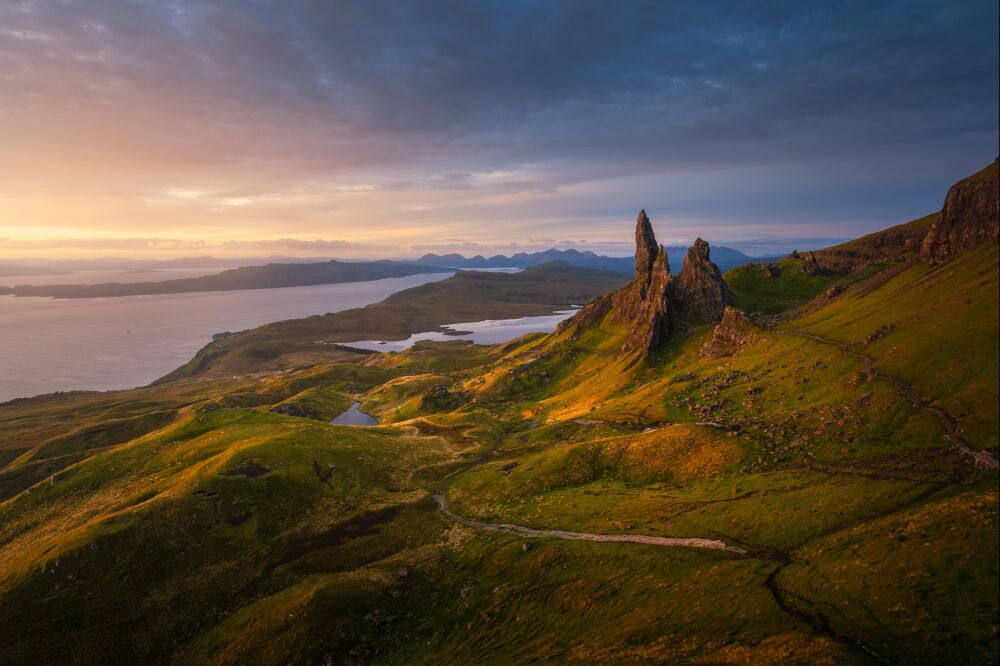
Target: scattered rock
x=879, y=333
x=295, y=409
x=735, y=331
x=833, y=292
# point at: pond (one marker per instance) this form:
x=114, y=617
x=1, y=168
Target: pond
x=354, y=417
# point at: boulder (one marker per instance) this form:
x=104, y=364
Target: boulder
x=736, y=330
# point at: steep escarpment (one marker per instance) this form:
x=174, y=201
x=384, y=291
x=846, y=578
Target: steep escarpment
x=969, y=217
x=654, y=304
x=895, y=244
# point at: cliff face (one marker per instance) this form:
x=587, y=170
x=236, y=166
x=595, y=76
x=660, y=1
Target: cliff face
x=893, y=244
x=969, y=217
x=653, y=304
x=700, y=291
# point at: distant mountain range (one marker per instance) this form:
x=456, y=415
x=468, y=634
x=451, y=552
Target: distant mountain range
x=725, y=258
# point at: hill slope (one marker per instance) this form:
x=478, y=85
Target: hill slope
x=715, y=489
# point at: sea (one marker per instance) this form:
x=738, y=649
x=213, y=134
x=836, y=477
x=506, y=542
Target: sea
x=49, y=344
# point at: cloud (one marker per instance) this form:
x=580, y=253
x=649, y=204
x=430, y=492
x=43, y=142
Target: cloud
x=487, y=118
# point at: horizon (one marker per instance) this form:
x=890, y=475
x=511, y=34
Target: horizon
x=754, y=248
x=160, y=130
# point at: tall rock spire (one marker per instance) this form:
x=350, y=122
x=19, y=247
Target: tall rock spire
x=654, y=305
x=701, y=293
x=646, y=248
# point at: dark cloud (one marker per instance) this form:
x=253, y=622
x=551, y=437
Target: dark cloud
x=518, y=97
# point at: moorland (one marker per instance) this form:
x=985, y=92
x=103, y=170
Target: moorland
x=791, y=462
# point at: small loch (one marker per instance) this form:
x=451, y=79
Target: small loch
x=354, y=417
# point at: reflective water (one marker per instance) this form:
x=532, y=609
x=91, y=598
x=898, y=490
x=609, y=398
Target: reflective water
x=487, y=332
x=102, y=276
x=49, y=344
x=354, y=417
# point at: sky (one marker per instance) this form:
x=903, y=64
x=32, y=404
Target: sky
x=390, y=129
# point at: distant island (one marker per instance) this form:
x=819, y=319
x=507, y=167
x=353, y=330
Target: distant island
x=296, y=274
x=269, y=276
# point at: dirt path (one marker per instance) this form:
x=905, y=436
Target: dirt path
x=980, y=457
x=530, y=532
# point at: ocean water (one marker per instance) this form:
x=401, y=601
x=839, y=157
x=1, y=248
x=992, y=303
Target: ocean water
x=51, y=344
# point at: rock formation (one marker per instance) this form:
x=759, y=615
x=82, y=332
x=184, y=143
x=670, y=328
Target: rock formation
x=653, y=303
x=649, y=306
x=736, y=330
x=701, y=293
x=970, y=216
x=646, y=249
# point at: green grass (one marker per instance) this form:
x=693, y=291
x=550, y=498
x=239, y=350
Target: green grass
x=189, y=523
x=755, y=290
x=944, y=339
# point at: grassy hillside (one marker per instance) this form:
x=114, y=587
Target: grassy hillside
x=225, y=521
x=777, y=287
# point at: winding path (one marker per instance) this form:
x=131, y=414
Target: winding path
x=530, y=532
x=980, y=457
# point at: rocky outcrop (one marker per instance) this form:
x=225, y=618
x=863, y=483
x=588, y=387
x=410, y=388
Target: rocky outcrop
x=895, y=244
x=810, y=266
x=654, y=304
x=736, y=330
x=646, y=249
x=295, y=409
x=701, y=293
x=648, y=307
x=970, y=217
x=644, y=303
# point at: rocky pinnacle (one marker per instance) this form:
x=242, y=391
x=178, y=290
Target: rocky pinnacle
x=646, y=248
x=700, y=291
